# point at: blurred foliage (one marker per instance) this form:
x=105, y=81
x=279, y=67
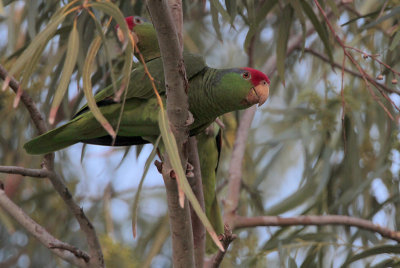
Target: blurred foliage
x=301, y=157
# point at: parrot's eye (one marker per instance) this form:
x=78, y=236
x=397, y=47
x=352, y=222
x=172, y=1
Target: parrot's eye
x=138, y=20
x=246, y=75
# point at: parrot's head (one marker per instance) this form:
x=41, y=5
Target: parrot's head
x=242, y=88
x=259, y=91
x=144, y=35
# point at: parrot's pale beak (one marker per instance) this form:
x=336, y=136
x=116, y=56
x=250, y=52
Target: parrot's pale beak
x=262, y=91
x=258, y=94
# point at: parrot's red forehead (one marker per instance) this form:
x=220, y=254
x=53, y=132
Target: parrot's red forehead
x=257, y=76
x=131, y=22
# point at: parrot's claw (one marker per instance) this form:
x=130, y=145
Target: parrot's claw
x=190, y=119
x=220, y=123
x=159, y=166
x=189, y=174
x=189, y=167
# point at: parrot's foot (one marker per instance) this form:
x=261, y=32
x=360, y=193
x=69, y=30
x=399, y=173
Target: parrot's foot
x=190, y=119
x=189, y=169
x=158, y=165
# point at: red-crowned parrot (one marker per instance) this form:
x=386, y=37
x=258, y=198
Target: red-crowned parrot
x=208, y=142
x=212, y=92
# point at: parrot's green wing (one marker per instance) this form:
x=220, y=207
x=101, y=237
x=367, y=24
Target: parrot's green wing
x=140, y=85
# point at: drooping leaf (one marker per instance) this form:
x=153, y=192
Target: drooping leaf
x=321, y=30
x=39, y=42
x=383, y=249
x=231, y=8
x=217, y=5
x=396, y=40
x=282, y=40
x=139, y=190
x=261, y=14
x=87, y=87
x=215, y=21
x=69, y=65
x=394, y=12
x=299, y=14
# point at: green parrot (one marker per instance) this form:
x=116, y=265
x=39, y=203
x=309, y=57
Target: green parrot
x=208, y=142
x=212, y=92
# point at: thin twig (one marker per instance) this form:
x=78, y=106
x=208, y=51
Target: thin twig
x=38, y=231
x=235, y=167
x=38, y=173
x=76, y=251
x=226, y=238
x=347, y=70
x=244, y=222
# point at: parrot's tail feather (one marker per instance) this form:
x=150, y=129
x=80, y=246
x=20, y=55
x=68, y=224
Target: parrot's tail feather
x=51, y=141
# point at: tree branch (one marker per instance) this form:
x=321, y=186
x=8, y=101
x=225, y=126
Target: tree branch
x=177, y=111
x=40, y=233
x=244, y=222
x=96, y=254
x=235, y=167
x=227, y=237
x=38, y=173
x=235, y=170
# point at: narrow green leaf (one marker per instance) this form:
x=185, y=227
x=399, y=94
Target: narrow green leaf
x=139, y=190
x=106, y=52
x=250, y=34
x=40, y=41
x=321, y=30
x=385, y=249
x=87, y=87
x=215, y=21
x=29, y=67
x=68, y=68
x=371, y=14
x=172, y=151
x=395, y=41
x=334, y=7
x=282, y=40
x=263, y=11
x=299, y=14
x=394, y=12
x=231, y=8
x=254, y=27
x=220, y=9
